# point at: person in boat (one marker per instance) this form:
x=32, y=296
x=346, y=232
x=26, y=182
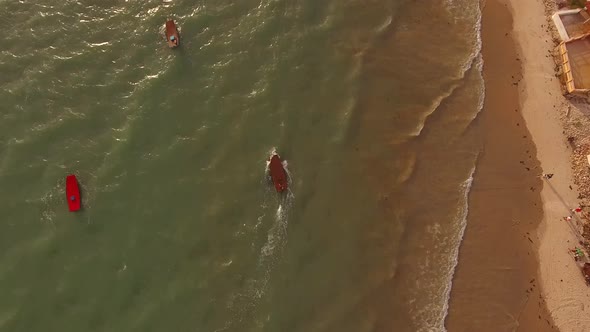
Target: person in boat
x=174, y=40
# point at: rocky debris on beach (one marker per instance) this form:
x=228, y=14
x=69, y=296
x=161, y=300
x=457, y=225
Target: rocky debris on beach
x=581, y=171
x=575, y=116
x=586, y=234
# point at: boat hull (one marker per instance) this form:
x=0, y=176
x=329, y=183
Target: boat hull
x=171, y=30
x=278, y=173
x=73, y=193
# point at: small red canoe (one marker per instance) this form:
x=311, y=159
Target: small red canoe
x=277, y=173
x=73, y=193
x=172, y=36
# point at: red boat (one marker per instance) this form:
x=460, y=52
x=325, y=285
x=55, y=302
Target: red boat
x=73, y=193
x=277, y=173
x=172, y=36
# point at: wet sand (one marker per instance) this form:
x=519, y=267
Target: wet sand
x=496, y=283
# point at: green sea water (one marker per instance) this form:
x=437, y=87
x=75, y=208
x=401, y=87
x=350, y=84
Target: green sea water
x=180, y=229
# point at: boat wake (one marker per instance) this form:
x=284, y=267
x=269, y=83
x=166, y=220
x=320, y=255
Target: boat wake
x=275, y=239
x=245, y=304
x=277, y=234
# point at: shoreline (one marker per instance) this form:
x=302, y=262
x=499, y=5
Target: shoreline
x=544, y=109
x=521, y=30
x=498, y=266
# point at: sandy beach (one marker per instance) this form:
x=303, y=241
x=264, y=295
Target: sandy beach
x=514, y=260
x=498, y=268
x=565, y=293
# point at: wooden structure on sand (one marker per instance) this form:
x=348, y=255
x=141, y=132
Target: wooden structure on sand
x=573, y=27
x=575, y=64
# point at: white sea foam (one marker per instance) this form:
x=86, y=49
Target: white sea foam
x=436, y=323
x=482, y=90
x=443, y=257
x=345, y=116
x=434, y=105
x=386, y=23
x=98, y=44
x=276, y=238
x=462, y=220
x=468, y=13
